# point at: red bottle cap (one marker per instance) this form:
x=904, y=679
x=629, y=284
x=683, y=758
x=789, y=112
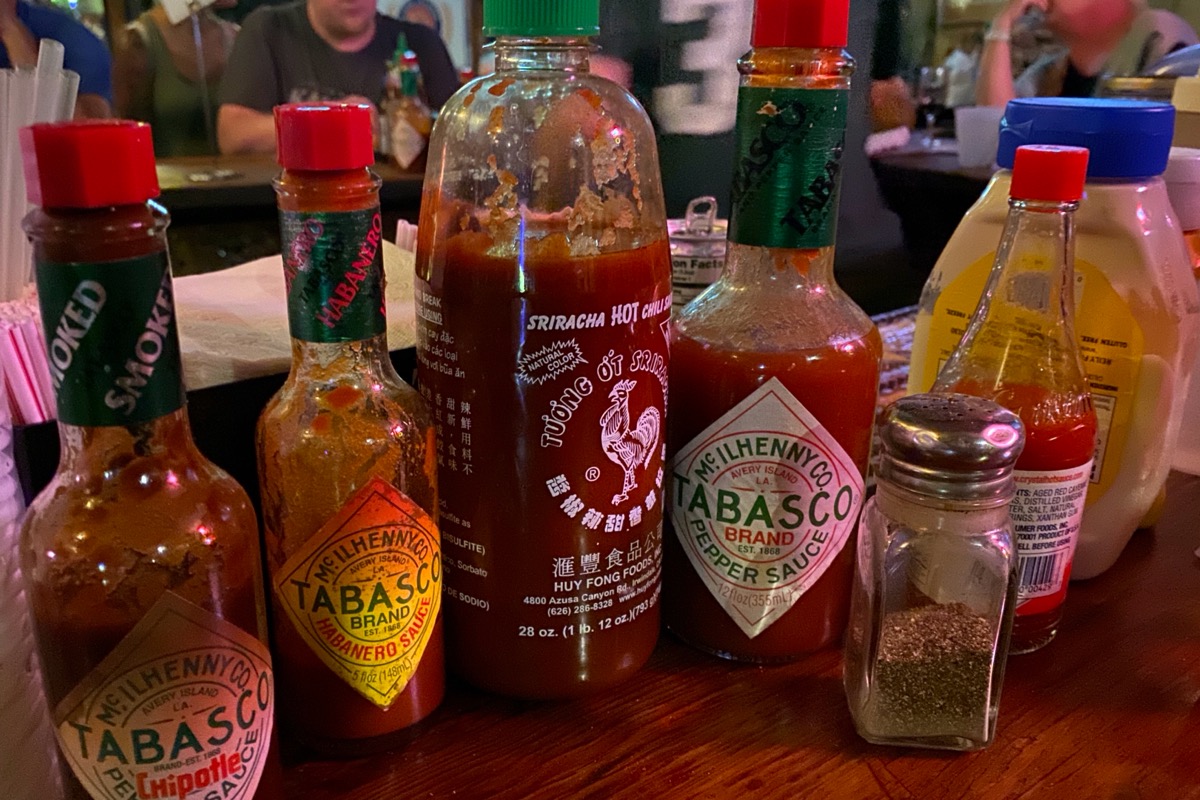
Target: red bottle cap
x=1050, y=172
x=91, y=164
x=324, y=137
x=801, y=23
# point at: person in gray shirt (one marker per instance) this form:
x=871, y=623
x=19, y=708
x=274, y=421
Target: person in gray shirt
x=314, y=50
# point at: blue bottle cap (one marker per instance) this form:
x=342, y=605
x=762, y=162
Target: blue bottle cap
x=1127, y=138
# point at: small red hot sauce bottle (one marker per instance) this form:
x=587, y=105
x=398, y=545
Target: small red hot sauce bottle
x=141, y=556
x=774, y=371
x=1020, y=350
x=346, y=462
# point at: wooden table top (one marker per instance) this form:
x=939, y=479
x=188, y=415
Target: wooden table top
x=206, y=182
x=1111, y=709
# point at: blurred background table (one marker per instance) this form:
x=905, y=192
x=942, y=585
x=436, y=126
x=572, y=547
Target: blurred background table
x=223, y=209
x=930, y=192
x=1108, y=710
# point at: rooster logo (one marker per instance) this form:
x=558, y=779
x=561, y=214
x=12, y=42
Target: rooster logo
x=628, y=447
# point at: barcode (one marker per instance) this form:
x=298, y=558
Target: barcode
x=1040, y=573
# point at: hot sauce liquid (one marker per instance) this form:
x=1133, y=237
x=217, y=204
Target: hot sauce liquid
x=838, y=385
x=511, y=625
x=133, y=512
x=1060, y=433
x=320, y=439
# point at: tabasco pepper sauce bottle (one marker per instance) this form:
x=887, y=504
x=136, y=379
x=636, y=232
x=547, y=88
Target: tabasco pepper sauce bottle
x=543, y=292
x=346, y=461
x=774, y=370
x=141, y=556
x=1020, y=350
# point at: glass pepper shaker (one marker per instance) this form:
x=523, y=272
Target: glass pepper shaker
x=935, y=582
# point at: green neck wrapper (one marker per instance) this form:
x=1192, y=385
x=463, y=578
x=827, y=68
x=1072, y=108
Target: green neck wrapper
x=787, y=177
x=111, y=340
x=333, y=265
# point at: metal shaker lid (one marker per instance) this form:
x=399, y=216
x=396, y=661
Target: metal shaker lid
x=951, y=447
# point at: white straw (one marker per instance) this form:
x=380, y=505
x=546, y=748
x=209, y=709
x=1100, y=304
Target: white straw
x=44, y=94
x=35, y=343
x=29, y=366
x=21, y=99
x=20, y=387
x=48, y=81
x=9, y=227
x=70, y=90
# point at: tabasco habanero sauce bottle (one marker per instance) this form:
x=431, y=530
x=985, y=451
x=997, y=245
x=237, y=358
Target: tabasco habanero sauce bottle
x=141, y=557
x=543, y=293
x=1020, y=350
x=774, y=371
x=346, y=462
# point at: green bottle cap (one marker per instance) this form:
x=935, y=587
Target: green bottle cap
x=541, y=17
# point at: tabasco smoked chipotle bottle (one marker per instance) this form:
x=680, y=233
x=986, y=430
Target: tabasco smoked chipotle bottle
x=774, y=371
x=346, y=461
x=141, y=557
x=543, y=294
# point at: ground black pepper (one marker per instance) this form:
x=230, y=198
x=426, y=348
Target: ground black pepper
x=933, y=673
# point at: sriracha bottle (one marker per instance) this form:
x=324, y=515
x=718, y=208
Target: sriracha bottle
x=1020, y=350
x=543, y=291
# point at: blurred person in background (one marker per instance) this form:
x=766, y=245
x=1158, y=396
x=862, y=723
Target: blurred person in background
x=317, y=50
x=23, y=25
x=1097, y=38
x=891, y=102
x=962, y=67
x=679, y=58
x=156, y=78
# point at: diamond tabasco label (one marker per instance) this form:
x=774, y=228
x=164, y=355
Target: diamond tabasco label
x=762, y=501
x=365, y=591
x=183, y=708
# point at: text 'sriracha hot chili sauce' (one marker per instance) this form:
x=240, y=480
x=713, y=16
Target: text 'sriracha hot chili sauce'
x=543, y=295
x=346, y=462
x=141, y=556
x=774, y=370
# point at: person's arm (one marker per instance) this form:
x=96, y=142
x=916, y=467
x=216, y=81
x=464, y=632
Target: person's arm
x=892, y=104
x=92, y=106
x=17, y=39
x=248, y=91
x=615, y=69
x=244, y=130
x=132, y=81
x=437, y=70
x=994, y=86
